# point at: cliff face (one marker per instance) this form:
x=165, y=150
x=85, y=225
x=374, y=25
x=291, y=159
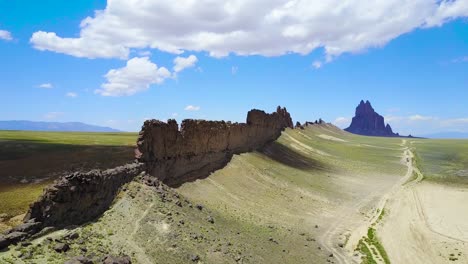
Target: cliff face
x=72, y=200
x=369, y=123
x=200, y=147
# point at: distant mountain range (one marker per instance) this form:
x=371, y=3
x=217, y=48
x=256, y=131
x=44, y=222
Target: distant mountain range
x=53, y=126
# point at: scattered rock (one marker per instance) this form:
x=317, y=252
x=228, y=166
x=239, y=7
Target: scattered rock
x=3, y=242
x=210, y=219
x=73, y=236
x=26, y=255
x=195, y=258
x=26, y=244
x=61, y=247
x=199, y=207
x=331, y=255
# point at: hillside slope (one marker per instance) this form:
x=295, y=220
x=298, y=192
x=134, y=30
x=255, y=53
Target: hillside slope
x=297, y=200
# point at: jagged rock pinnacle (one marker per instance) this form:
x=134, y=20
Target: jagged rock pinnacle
x=369, y=123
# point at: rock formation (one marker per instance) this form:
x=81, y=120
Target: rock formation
x=369, y=123
x=167, y=153
x=72, y=200
x=200, y=147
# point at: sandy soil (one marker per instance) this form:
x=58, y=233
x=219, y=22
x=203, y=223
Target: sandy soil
x=354, y=218
x=427, y=223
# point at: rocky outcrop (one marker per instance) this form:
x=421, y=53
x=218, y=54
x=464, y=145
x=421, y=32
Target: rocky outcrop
x=79, y=197
x=72, y=200
x=369, y=123
x=200, y=147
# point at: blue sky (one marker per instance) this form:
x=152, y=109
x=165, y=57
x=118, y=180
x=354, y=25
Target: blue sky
x=117, y=69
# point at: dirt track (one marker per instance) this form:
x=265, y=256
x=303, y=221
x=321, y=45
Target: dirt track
x=424, y=222
x=427, y=224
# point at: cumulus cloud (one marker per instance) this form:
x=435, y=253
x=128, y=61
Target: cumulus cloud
x=136, y=76
x=263, y=27
x=46, y=86
x=181, y=63
x=342, y=122
x=192, y=108
x=71, y=94
x=5, y=35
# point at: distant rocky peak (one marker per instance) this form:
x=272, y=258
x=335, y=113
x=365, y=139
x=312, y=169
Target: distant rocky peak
x=369, y=123
x=364, y=108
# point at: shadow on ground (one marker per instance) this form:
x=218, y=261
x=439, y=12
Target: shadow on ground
x=291, y=158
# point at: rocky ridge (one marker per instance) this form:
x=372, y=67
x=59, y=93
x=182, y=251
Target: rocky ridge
x=72, y=200
x=200, y=147
x=169, y=155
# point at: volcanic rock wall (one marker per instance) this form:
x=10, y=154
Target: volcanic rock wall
x=72, y=200
x=200, y=147
x=81, y=196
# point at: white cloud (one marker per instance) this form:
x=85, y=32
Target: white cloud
x=53, y=115
x=136, y=76
x=5, y=35
x=420, y=125
x=420, y=118
x=234, y=70
x=262, y=27
x=342, y=122
x=46, y=86
x=181, y=63
x=174, y=114
x=192, y=108
x=71, y=94
x=317, y=64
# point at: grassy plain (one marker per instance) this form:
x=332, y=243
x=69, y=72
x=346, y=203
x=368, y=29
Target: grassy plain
x=294, y=201
x=443, y=160
x=30, y=160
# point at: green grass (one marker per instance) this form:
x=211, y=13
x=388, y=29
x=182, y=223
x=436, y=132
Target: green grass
x=442, y=160
x=30, y=160
x=373, y=240
x=367, y=257
x=70, y=138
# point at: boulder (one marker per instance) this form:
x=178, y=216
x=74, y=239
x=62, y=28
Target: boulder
x=61, y=247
